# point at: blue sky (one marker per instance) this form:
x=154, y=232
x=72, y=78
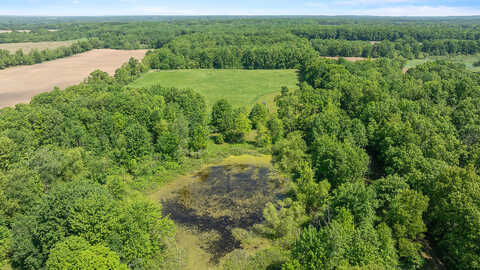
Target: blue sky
x=241, y=7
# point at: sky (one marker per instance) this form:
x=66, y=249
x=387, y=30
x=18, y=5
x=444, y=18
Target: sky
x=241, y=7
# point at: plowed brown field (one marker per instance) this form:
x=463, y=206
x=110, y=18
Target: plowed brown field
x=20, y=84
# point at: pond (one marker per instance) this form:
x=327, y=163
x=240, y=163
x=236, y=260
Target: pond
x=221, y=198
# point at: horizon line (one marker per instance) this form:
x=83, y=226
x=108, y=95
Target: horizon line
x=236, y=15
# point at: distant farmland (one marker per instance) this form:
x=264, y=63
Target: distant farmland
x=20, y=84
x=467, y=60
x=28, y=46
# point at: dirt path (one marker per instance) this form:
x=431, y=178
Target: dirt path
x=20, y=84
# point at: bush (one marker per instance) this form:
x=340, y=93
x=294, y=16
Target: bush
x=219, y=139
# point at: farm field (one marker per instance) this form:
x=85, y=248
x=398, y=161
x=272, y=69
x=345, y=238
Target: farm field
x=240, y=87
x=468, y=60
x=20, y=84
x=19, y=31
x=28, y=46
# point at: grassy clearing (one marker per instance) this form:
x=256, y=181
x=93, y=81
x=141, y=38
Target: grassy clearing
x=240, y=87
x=468, y=60
x=214, y=154
x=194, y=257
x=28, y=46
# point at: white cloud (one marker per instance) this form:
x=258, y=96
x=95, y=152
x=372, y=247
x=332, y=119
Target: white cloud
x=357, y=2
x=411, y=10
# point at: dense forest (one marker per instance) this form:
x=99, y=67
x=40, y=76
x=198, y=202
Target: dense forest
x=193, y=42
x=67, y=160
x=383, y=164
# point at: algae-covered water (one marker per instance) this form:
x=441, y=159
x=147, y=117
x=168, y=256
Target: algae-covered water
x=212, y=202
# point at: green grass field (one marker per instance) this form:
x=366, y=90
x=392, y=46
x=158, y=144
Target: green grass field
x=240, y=87
x=468, y=60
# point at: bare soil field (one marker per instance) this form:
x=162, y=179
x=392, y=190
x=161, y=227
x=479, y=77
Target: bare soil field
x=10, y=31
x=28, y=46
x=20, y=84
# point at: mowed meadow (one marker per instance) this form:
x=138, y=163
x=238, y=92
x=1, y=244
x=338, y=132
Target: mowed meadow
x=239, y=87
x=467, y=60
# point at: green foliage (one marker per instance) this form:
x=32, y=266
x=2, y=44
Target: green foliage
x=263, y=138
x=337, y=161
x=199, y=138
x=21, y=190
x=6, y=148
x=232, y=124
x=258, y=115
x=388, y=144
x=239, y=50
x=358, y=198
x=222, y=115
x=76, y=253
x=239, y=126
x=138, y=141
x=55, y=165
x=69, y=166
x=314, y=196
x=129, y=71
x=454, y=216
x=405, y=218
x=405, y=215
x=275, y=126
x=282, y=222
x=5, y=244
x=219, y=139
x=289, y=151
x=379, y=158
x=134, y=230
x=342, y=245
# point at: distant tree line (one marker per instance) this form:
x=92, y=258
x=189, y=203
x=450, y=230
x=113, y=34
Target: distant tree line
x=418, y=30
x=245, y=51
x=35, y=56
x=254, y=42
x=406, y=48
